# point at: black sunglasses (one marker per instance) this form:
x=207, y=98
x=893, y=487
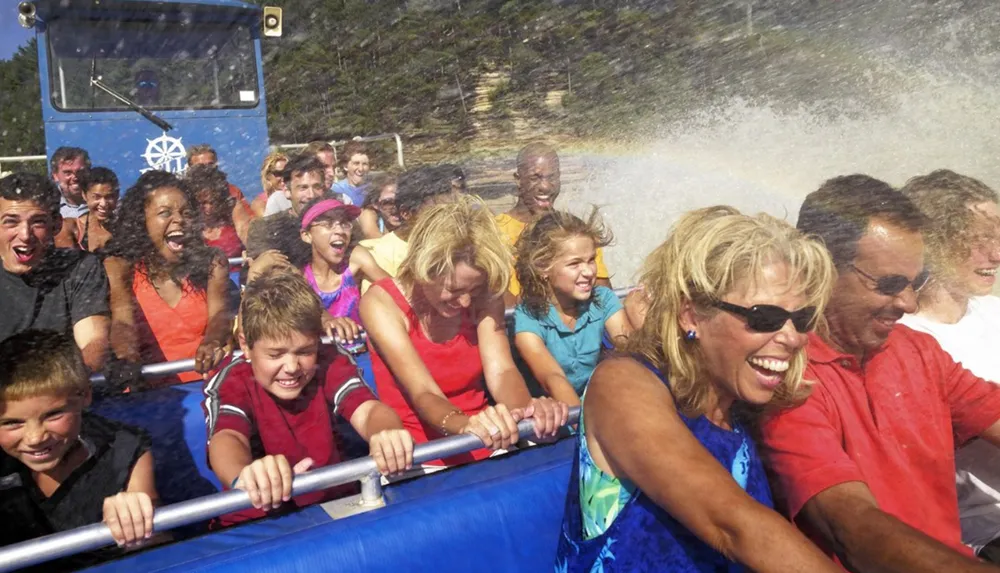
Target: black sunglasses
x=770, y=318
x=892, y=285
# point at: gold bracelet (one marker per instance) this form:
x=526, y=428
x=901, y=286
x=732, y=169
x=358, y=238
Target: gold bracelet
x=444, y=421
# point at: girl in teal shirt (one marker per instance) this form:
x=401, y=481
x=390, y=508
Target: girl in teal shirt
x=561, y=321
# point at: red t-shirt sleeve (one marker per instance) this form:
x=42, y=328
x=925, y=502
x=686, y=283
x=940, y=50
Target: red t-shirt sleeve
x=974, y=402
x=345, y=390
x=803, y=448
x=235, y=406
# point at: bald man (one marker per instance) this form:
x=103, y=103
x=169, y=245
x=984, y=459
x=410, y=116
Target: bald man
x=537, y=180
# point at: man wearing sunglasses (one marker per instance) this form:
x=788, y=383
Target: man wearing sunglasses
x=866, y=464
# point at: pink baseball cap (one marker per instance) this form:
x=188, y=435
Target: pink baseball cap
x=325, y=206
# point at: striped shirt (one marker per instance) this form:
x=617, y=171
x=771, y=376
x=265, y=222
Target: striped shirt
x=305, y=427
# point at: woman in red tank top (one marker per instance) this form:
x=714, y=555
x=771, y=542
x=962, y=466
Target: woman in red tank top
x=211, y=189
x=169, y=292
x=432, y=329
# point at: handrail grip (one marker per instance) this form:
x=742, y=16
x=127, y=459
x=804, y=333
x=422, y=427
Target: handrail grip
x=161, y=369
x=96, y=536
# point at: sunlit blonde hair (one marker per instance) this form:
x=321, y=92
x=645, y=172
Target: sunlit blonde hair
x=277, y=304
x=268, y=164
x=710, y=253
x=540, y=243
x=461, y=230
x=946, y=198
x=41, y=363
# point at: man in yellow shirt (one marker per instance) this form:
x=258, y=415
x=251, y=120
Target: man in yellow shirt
x=537, y=179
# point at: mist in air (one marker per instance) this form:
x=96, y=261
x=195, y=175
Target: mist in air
x=903, y=88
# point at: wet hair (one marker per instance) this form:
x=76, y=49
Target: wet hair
x=63, y=154
x=269, y=162
x=201, y=149
x=41, y=363
x=538, y=246
x=840, y=211
x=352, y=148
x=278, y=232
x=278, y=303
x=457, y=176
x=375, y=188
x=302, y=164
x=416, y=187
x=21, y=186
x=101, y=176
x=130, y=239
x=207, y=178
x=946, y=198
x=460, y=231
x=710, y=253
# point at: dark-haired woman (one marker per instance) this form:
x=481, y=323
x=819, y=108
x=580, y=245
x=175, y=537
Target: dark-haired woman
x=211, y=189
x=91, y=231
x=168, y=289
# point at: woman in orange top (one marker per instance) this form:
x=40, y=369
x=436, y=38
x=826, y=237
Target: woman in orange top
x=168, y=289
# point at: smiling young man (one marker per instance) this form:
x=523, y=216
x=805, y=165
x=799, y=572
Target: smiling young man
x=866, y=465
x=537, y=177
x=41, y=287
x=356, y=166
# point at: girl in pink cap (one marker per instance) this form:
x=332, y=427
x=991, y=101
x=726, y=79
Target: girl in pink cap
x=336, y=263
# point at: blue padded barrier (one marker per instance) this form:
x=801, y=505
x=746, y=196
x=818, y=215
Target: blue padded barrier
x=175, y=421
x=497, y=515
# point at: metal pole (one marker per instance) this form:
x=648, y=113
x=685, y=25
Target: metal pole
x=371, y=489
x=91, y=537
x=399, y=150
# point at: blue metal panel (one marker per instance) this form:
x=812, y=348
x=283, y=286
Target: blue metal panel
x=129, y=144
x=49, y=7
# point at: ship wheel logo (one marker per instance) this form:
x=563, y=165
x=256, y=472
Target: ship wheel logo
x=165, y=153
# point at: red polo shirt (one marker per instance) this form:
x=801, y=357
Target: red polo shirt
x=299, y=429
x=892, y=423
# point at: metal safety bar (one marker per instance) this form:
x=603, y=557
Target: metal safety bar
x=163, y=369
x=20, y=159
x=361, y=138
x=91, y=537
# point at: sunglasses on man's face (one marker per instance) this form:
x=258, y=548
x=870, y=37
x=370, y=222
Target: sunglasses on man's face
x=892, y=285
x=147, y=84
x=770, y=318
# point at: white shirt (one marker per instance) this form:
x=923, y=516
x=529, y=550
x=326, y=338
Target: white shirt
x=72, y=211
x=277, y=203
x=975, y=342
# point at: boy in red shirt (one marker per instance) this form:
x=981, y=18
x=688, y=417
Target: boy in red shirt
x=270, y=414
